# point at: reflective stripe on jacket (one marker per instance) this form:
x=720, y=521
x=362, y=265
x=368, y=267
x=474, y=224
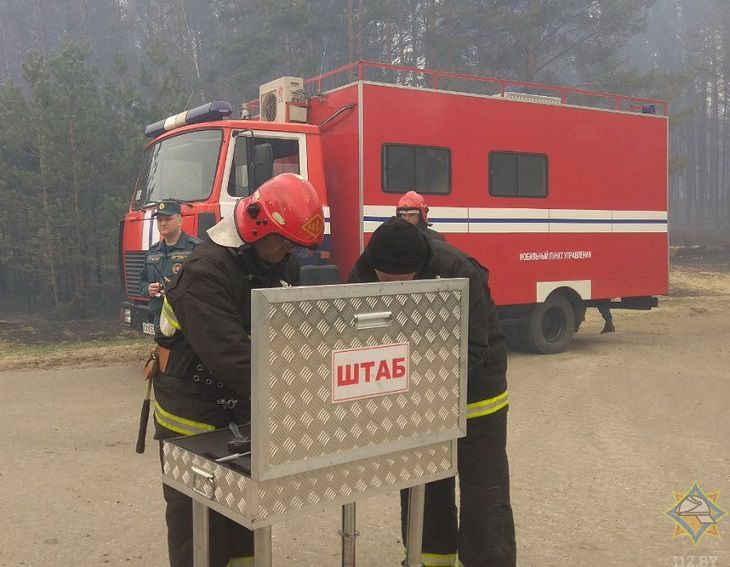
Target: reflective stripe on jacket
x=486, y=407
x=438, y=559
x=179, y=424
x=241, y=562
x=168, y=321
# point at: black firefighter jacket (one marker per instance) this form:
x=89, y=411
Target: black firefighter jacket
x=209, y=369
x=487, y=367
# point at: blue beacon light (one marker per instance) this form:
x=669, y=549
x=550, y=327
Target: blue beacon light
x=216, y=110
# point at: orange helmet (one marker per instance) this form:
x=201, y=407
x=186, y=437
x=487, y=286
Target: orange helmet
x=411, y=202
x=286, y=205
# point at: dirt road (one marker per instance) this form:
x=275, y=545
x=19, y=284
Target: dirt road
x=600, y=439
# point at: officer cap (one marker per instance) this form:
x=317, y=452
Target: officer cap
x=167, y=208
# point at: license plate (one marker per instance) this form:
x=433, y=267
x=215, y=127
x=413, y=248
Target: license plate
x=148, y=328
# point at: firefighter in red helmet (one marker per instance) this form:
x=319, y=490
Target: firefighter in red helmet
x=412, y=207
x=205, y=327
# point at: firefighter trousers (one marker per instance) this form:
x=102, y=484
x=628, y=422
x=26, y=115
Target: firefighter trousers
x=483, y=534
x=230, y=544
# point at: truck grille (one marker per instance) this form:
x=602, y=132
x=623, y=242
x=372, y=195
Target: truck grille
x=133, y=263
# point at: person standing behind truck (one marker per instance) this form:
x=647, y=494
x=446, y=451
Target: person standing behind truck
x=412, y=207
x=605, y=310
x=484, y=533
x=204, y=381
x=164, y=259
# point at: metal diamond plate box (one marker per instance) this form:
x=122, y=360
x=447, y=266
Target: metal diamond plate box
x=351, y=371
x=357, y=390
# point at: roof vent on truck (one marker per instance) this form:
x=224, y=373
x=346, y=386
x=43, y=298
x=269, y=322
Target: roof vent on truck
x=216, y=110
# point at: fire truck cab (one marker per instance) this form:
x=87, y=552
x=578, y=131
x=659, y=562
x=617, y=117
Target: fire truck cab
x=562, y=194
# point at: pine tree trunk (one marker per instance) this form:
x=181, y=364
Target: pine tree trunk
x=47, y=233
x=690, y=202
x=702, y=155
x=713, y=130
x=725, y=153
x=79, y=271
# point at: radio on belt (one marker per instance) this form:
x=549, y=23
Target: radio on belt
x=357, y=390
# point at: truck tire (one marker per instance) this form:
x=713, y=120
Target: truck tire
x=550, y=325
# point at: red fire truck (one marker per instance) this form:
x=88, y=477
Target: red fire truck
x=560, y=192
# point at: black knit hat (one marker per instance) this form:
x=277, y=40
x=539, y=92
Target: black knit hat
x=397, y=247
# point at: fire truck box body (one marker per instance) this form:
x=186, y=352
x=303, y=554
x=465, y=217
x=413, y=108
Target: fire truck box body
x=565, y=204
x=600, y=230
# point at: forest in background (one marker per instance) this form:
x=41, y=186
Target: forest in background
x=81, y=78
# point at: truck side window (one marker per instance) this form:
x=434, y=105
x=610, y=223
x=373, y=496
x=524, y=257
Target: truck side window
x=286, y=160
x=425, y=169
x=514, y=174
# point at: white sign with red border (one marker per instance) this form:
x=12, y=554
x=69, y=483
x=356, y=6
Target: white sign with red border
x=370, y=371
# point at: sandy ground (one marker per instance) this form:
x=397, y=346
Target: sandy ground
x=600, y=439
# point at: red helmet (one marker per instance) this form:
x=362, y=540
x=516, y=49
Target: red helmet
x=411, y=202
x=286, y=205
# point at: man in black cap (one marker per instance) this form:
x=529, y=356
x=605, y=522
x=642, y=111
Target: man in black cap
x=484, y=534
x=165, y=257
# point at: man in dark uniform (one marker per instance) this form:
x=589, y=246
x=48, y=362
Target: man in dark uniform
x=205, y=328
x=412, y=207
x=484, y=534
x=164, y=258
x=605, y=310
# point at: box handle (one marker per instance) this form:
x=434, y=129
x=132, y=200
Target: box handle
x=203, y=482
x=372, y=320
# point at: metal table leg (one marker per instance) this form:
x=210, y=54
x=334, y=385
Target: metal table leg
x=201, y=558
x=416, y=498
x=262, y=547
x=348, y=534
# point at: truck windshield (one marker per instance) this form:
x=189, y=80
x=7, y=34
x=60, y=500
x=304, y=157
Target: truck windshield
x=182, y=168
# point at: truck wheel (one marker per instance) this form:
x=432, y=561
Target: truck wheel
x=549, y=328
